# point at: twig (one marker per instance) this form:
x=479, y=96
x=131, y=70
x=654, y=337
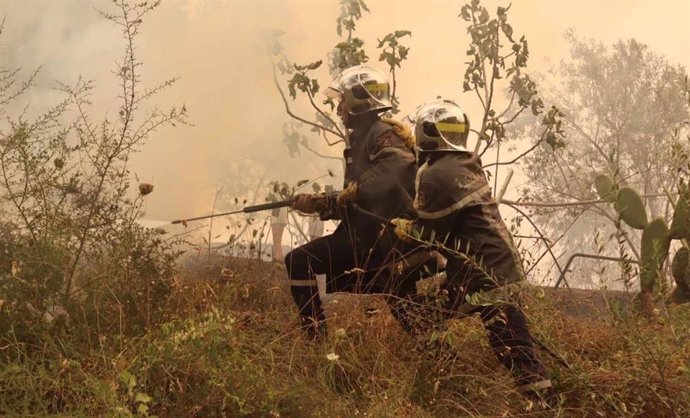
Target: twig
x=566, y=204
x=514, y=160
x=555, y=259
x=289, y=111
x=502, y=192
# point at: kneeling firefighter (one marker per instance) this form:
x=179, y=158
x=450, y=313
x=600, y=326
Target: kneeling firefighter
x=380, y=169
x=457, y=214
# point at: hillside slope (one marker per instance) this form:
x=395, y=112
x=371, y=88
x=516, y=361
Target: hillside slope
x=231, y=348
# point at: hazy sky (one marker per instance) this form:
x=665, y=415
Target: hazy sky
x=215, y=47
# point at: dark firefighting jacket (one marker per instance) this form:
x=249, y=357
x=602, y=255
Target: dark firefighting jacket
x=455, y=208
x=384, y=168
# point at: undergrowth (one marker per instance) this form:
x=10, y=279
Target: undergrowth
x=231, y=347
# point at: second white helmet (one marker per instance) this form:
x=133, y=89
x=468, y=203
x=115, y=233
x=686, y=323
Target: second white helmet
x=441, y=125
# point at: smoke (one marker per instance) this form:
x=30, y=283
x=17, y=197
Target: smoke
x=215, y=47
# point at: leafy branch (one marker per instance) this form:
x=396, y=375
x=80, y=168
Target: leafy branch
x=495, y=54
x=394, y=53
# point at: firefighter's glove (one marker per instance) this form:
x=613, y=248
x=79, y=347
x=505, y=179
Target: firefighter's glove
x=307, y=203
x=348, y=194
x=403, y=228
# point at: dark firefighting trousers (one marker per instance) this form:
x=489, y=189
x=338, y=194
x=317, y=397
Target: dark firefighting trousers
x=505, y=325
x=355, y=268
x=349, y=266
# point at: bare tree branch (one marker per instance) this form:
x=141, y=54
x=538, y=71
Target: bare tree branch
x=516, y=159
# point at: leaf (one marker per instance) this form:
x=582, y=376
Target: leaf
x=537, y=106
x=128, y=379
x=402, y=33
x=465, y=13
x=388, y=38
x=390, y=60
x=314, y=86
x=314, y=65
x=483, y=15
x=125, y=376
x=508, y=30
x=142, y=397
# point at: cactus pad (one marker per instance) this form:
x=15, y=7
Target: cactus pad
x=680, y=225
x=655, y=245
x=679, y=267
x=605, y=188
x=630, y=208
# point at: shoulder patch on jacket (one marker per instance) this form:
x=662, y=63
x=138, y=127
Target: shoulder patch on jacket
x=387, y=139
x=402, y=131
x=469, y=180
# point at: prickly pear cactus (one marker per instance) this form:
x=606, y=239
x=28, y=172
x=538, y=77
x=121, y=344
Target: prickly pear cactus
x=606, y=189
x=655, y=245
x=656, y=238
x=630, y=208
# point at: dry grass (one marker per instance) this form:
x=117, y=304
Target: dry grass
x=618, y=365
x=233, y=349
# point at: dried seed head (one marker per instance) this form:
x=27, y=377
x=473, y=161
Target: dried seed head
x=145, y=188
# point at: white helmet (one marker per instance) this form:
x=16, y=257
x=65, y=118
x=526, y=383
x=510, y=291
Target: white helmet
x=363, y=89
x=441, y=125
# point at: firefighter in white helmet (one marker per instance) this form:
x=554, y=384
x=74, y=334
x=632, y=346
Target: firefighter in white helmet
x=456, y=212
x=379, y=177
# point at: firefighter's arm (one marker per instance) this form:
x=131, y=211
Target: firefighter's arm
x=325, y=204
x=404, y=229
x=422, y=230
x=331, y=210
x=430, y=225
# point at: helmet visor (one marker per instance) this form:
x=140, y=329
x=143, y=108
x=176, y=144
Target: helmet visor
x=363, y=88
x=450, y=122
x=446, y=121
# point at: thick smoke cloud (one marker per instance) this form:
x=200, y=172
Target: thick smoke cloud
x=215, y=47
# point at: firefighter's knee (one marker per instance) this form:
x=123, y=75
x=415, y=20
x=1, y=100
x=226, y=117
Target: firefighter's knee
x=296, y=264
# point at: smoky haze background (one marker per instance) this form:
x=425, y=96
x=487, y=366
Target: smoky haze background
x=216, y=49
